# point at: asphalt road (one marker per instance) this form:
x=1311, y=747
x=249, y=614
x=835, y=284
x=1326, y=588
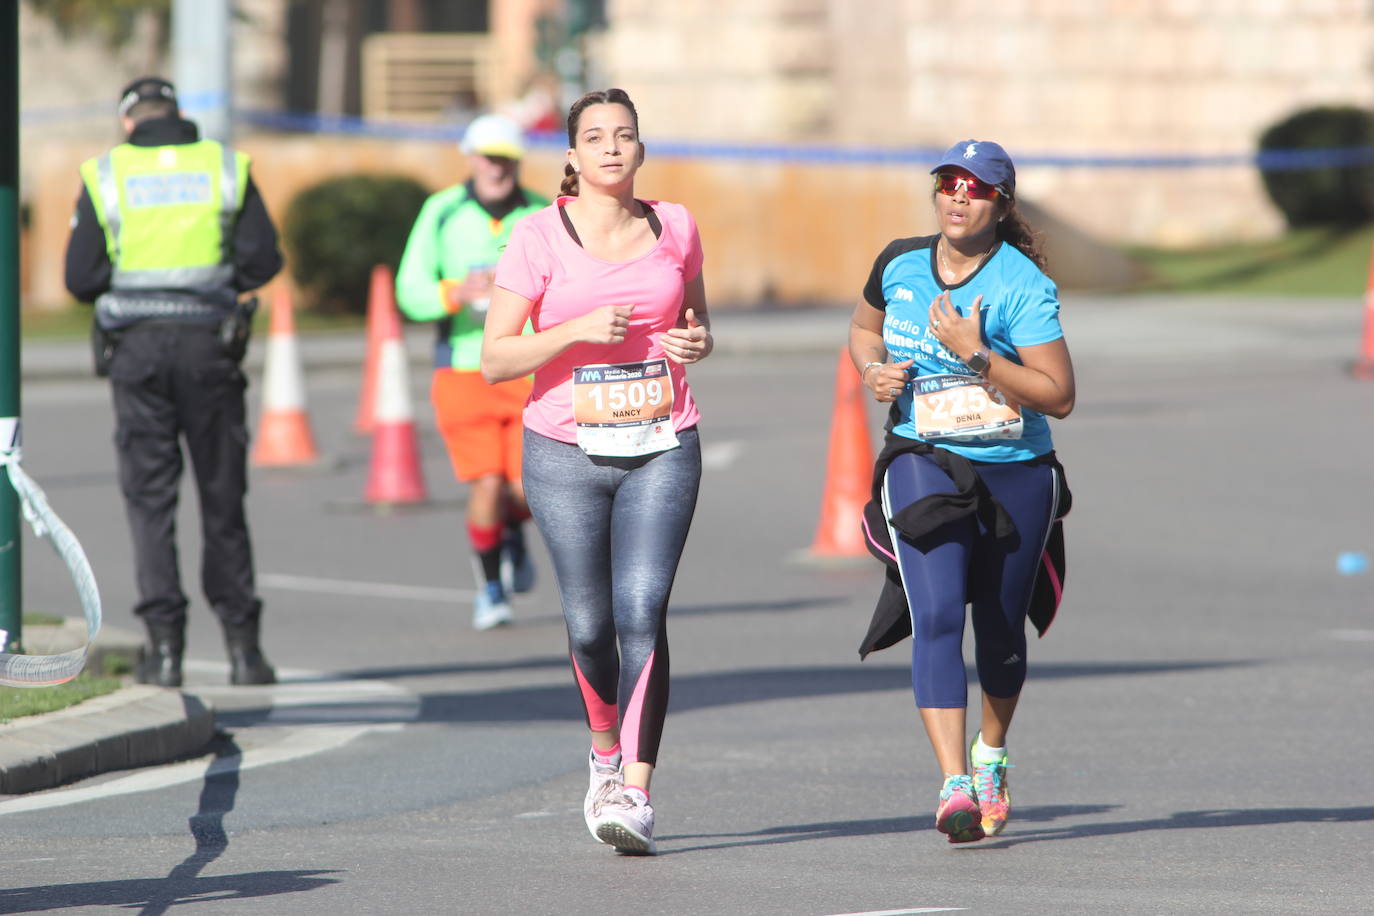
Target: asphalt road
x=1193, y=737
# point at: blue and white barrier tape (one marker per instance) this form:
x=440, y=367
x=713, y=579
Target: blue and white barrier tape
x=1277, y=160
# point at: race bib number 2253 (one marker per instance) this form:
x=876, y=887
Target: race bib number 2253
x=962, y=407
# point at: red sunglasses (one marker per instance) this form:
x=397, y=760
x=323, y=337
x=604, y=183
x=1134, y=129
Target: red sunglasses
x=948, y=183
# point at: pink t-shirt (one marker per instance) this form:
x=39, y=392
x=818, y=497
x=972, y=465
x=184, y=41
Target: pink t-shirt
x=544, y=265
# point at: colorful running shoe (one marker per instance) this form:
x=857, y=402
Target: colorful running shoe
x=627, y=824
x=958, y=815
x=994, y=792
x=490, y=608
x=517, y=568
x=606, y=783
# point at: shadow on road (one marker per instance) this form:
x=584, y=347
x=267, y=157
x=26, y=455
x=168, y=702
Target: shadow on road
x=753, y=607
x=558, y=661
x=833, y=830
x=792, y=833
x=1183, y=820
x=729, y=688
x=383, y=674
x=183, y=885
x=1189, y=820
x=135, y=892
x=705, y=690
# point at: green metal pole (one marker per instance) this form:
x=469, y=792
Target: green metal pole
x=11, y=583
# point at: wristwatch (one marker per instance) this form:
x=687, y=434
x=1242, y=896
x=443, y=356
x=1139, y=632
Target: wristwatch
x=979, y=362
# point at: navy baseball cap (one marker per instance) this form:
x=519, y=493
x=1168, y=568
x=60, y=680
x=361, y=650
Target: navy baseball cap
x=986, y=160
x=144, y=89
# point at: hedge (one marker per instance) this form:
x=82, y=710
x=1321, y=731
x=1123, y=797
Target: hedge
x=335, y=232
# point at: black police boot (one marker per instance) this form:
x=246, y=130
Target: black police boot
x=160, y=660
x=247, y=664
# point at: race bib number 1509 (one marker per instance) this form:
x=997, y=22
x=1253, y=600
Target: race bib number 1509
x=624, y=410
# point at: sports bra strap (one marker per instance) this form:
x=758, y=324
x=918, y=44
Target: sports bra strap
x=655, y=223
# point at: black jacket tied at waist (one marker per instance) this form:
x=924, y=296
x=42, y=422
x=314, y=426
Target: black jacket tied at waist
x=891, y=622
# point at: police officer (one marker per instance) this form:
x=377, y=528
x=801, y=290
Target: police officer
x=169, y=230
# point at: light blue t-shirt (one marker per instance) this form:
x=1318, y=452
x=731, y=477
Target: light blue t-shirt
x=1020, y=308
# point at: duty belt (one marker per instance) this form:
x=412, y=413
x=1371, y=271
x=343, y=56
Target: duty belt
x=120, y=308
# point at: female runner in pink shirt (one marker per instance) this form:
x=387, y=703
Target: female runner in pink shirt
x=613, y=287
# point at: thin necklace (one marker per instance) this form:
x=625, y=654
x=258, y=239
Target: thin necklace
x=944, y=261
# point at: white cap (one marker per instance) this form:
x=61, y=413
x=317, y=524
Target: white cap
x=494, y=135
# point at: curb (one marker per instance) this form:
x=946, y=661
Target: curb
x=132, y=727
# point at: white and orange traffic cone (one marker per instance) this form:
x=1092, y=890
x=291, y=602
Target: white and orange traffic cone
x=284, y=438
x=849, y=472
x=393, y=477
x=381, y=309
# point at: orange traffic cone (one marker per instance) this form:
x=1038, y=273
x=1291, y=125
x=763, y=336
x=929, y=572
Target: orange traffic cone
x=284, y=438
x=849, y=471
x=1364, y=366
x=393, y=477
x=381, y=308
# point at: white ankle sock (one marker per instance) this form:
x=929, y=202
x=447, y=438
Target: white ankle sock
x=981, y=753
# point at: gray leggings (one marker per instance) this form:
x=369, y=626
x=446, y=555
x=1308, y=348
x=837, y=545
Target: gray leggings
x=615, y=528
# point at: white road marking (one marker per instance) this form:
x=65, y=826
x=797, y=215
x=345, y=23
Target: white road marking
x=362, y=589
x=310, y=715
x=1350, y=635
x=720, y=455
x=298, y=742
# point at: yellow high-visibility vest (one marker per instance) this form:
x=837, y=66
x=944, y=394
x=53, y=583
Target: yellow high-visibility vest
x=168, y=213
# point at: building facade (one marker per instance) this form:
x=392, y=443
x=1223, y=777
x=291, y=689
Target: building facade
x=1131, y=120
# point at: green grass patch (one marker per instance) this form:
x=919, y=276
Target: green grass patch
x=17, y=702
x=1305, y=262
x=71, y=321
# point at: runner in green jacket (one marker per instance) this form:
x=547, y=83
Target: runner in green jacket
x=445, y=276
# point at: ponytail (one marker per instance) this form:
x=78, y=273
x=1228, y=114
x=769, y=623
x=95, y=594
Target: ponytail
x=569, y=186
x=1014, y=230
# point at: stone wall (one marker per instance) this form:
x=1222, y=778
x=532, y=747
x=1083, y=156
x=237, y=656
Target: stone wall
x=1046, y=78
x=69, y=83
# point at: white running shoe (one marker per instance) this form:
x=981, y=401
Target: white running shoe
x=490, y=608
x=606, y=783
x=628, y=825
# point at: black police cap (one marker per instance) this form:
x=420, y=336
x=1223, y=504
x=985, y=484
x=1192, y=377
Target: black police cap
x=146, y=89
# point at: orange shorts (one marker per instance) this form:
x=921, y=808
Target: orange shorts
x=481, y=423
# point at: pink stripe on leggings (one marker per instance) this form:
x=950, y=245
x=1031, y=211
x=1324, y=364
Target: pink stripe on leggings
x=601, y=716
x=874, y=542
x=629, y=732
x=1054, y=578
x=1055, y=583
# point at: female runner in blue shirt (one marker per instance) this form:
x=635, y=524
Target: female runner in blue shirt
x=960, y=333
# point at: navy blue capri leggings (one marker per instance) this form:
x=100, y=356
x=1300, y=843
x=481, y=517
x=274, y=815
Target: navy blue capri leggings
x=961, y=564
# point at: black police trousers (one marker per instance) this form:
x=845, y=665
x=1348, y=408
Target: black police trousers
x=173, y=382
